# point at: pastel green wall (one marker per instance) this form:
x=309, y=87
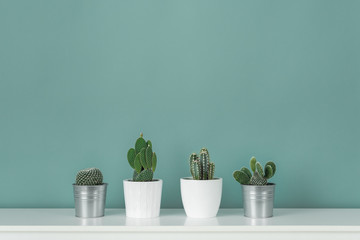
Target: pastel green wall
x=79, y=80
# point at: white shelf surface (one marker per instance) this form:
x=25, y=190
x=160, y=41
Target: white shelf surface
x=173, y=224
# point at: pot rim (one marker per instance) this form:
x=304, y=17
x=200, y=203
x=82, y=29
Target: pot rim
x=100, y=185
x=132, y=181
x=267, y=185
x=191, y=179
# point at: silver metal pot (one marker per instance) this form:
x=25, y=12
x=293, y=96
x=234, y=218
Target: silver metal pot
x=258, y=201
x=90, y=200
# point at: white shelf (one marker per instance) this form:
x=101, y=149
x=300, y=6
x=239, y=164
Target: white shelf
x=173, y=225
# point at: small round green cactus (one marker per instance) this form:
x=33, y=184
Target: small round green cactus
x=259, y=176
x=89, y=176
x=142, y=159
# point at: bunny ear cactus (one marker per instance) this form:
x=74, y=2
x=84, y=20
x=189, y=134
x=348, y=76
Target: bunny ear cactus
x=200, y=167
x=260, y=174
x=89, y=176
x=143, y=160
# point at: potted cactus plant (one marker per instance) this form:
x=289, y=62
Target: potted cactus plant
x=257, y=192
x=142, y=193
x=89, y=193
x=201, y=193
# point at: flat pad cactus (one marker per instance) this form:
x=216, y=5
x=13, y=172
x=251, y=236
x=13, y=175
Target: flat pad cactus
x=241, y=177
x=145, y=176
x=253, y=164
x=140, y=144
x=272, y=165
x=154, y=162
x=131, y=157
x=142, y=159
x=246, y=171
x=268, y=172
x=259, y=176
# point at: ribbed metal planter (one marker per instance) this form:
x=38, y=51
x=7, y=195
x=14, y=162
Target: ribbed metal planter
x=90, y=200
x=258, y=201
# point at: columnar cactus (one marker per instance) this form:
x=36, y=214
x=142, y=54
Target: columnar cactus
x=200, y=167
x=259, y=177
x=142, y=159
x=89, y=176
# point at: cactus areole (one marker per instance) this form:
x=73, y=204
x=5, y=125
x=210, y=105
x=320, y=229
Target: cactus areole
x=260, y=175
x=200, y=166
x=143, y=160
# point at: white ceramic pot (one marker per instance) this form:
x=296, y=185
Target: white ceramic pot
x=201, y=198
x=142, y=199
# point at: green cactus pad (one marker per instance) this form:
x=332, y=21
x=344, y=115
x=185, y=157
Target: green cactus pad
x=247, y=171
x=154, y=162
x=137, y=163
x=268, y=172
x=89, y=176
x=259, y=169
x=273, y=166
x=145, y=176
x=135, y=174
x=140, y=144
x=148, y=155
x=241, y=177
x=256, y=179
x=143, y=158
x=252, y=164
x=131, y=157
x=149, y=143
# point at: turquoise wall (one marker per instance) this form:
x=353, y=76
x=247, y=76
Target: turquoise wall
x=79, y=80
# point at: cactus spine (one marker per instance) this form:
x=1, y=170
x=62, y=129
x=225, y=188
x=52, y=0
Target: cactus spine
x=89, y=176
x=259, y=177
x=142, y=159
x=200, y=167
